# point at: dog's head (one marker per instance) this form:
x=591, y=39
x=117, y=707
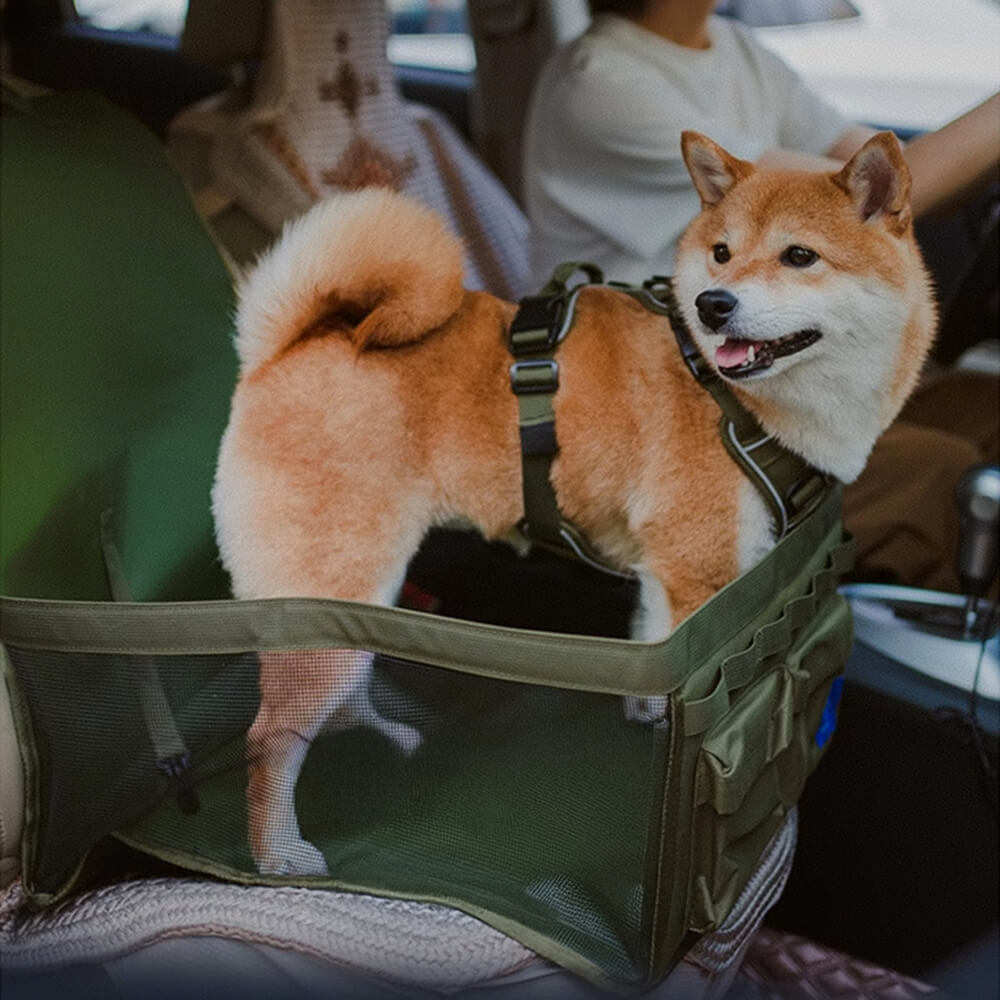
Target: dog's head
x=794, y=279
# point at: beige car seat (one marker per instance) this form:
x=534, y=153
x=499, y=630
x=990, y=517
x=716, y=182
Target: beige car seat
x=11, y=794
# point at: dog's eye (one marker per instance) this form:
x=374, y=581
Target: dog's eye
x=799, y=257
x=720, y=253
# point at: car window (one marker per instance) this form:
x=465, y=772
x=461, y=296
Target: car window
x=432, y=34
x=771, y=13
x=904, y=64
x=426, y=33
x=160, y=17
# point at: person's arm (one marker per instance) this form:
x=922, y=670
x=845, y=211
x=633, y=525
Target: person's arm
x=947, y=165
x=952, y=163
x=836, y=156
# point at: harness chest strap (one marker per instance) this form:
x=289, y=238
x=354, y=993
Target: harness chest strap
x=789, y=486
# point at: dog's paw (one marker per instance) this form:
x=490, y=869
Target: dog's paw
x=407, y=739
x=646, y=708
x=294, y=859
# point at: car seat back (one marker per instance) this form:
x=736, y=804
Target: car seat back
x=513, y=38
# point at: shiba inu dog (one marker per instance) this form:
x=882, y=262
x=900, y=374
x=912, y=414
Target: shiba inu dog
x=374, y=401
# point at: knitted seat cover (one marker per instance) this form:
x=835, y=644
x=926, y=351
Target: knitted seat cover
x=324, y=114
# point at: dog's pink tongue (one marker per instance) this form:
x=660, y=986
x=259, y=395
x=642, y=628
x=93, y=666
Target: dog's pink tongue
x=732, y=353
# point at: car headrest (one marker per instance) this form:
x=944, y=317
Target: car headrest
x=223, y=32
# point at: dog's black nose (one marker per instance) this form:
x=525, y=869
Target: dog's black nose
x=715, y=306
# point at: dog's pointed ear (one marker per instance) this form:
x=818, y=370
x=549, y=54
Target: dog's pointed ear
x=878, y=181
x=713, y=170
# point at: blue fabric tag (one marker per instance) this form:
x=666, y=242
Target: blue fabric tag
x=828, y=723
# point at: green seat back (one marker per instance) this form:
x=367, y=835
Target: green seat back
x=117, y=366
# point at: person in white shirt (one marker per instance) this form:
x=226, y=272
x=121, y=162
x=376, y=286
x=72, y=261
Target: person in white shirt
x=604, y=182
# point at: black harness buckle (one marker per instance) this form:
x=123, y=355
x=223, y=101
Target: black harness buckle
x=534, y=376
x=537, y=325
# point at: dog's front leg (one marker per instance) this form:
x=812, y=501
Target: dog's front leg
x=299, y=692
x=681, y=569
x=650, y=623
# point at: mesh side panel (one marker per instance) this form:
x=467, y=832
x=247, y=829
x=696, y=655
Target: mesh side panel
x=99, y=766
x=526, y=805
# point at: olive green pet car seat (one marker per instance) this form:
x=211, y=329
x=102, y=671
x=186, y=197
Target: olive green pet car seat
x=609, y=847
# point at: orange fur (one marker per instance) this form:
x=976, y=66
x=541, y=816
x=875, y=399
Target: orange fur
x=427, y=433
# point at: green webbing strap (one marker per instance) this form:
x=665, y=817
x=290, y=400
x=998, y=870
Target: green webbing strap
x=789, y=485
x=742, y=667
x=540, y=324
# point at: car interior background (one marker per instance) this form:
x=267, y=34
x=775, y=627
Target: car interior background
x=894, y=881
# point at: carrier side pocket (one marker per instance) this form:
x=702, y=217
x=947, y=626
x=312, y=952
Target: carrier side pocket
x=754, y=761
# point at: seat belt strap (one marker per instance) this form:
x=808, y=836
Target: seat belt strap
x=173, y=758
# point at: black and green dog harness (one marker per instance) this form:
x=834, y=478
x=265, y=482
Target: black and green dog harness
x=789, y=485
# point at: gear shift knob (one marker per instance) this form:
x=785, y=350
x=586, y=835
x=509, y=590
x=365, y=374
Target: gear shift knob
x=978, y=498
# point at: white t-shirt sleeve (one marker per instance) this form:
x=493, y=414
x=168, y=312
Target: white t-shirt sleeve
x=611, y=156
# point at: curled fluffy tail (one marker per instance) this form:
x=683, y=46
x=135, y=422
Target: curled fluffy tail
x=374, y=266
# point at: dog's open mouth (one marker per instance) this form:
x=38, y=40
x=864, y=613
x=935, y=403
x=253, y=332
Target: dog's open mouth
x=737, y=358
